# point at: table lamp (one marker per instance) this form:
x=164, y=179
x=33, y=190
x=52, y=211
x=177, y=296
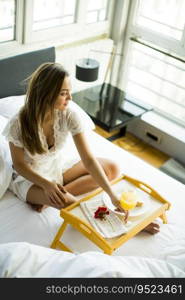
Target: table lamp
x=87, y=69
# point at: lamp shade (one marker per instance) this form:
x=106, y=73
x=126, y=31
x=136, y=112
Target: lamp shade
x=87, y=69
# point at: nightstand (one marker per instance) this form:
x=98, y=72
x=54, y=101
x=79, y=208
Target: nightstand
x=109, y=107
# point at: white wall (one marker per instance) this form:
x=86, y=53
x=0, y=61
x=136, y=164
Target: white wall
x=69, y=56
x=171, y=137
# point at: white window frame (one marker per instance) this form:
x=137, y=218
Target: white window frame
x=6, y=47
x=69, y=32
x=167, y=45
x=158, y=39
x=144, y=35
x=98, y=12
x=26, y=39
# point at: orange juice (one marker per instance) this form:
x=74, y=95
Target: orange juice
x=128, y=200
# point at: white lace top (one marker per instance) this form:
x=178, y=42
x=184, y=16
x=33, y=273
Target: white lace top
x=50, y=164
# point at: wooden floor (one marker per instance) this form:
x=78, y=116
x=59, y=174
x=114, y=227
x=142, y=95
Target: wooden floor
x=137, y=147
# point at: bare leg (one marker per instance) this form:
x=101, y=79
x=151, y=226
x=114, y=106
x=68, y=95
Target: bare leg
x=77, y=180
x=38, y=201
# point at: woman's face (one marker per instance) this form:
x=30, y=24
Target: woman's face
x=64, y=96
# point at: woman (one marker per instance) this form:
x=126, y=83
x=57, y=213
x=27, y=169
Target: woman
x=36, y=136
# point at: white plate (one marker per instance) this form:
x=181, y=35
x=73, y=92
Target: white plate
x=135, y=212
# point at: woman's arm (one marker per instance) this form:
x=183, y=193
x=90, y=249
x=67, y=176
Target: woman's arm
x=94, y=168
x=53, y=191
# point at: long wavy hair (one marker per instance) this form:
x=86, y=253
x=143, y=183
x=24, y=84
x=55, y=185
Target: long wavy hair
x=44, y=86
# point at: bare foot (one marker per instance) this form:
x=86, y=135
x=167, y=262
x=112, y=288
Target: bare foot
x=152, y=228
x=38, y=207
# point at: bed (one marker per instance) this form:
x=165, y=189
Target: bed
x=26, y=236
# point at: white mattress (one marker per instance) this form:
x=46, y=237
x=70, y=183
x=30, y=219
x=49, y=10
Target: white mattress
x=19, y=223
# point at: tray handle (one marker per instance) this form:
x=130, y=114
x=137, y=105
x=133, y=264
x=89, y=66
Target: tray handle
x=87, y=230
x=148, y=189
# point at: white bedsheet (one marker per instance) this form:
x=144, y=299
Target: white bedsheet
x=27, y=260
x=19, y=223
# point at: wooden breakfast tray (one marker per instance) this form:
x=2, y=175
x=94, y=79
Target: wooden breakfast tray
x=74, y=216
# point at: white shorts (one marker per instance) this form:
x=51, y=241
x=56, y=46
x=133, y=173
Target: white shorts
x=20, y=185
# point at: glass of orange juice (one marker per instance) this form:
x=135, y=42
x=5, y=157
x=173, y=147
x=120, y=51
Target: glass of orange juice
x=128, y=200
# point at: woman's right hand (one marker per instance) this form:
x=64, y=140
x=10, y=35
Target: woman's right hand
x=116, y=202
x=55, y=194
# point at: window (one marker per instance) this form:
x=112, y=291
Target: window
x=96, y=11
x=47, y=13
x=166, y=17
x=7, y=20
x=156, y=60
x=56, y=21
x=158, y=80
x=162, y=23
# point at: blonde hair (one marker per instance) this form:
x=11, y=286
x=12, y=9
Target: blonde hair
x=44, y=86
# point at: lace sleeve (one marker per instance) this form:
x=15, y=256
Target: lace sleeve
x=74, y=122
x=12, y=132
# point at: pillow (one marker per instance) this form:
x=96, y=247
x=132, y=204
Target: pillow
x=3, y=122
x=11, y=105
x=5, y=160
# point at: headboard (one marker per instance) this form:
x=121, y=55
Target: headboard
x=14, y=69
